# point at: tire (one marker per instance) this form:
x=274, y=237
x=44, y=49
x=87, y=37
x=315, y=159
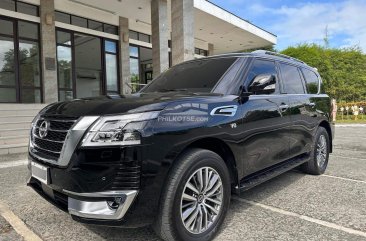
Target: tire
x=316, y=166
x=169, y=224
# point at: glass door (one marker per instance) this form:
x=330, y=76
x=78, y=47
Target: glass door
x=88, y=65
x=20, y=69
x=8, y=84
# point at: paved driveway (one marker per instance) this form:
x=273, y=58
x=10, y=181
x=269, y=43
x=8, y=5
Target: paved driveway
x=292, y=206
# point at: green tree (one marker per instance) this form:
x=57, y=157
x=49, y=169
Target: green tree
x=343, y=71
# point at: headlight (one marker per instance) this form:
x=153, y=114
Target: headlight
x=118, y=130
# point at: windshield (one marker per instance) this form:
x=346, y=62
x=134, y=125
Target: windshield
x=193, y=76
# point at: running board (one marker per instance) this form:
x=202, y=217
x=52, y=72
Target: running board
x=269, y=173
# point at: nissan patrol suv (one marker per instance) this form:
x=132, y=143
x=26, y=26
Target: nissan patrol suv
x=172, y=154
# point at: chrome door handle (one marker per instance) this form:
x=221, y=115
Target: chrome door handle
x=283, y=108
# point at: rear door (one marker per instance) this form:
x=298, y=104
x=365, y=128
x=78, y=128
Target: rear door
x=294, y=88
x=266, y=123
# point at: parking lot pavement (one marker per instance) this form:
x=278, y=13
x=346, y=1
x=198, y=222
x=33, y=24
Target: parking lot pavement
x=293, y=206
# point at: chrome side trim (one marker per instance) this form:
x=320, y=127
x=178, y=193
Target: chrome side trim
x=100, y=209
x=72, y=139
x=95, y=194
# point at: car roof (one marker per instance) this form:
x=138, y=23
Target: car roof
x=268, y=55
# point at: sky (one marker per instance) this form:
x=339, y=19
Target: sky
x=300, y=21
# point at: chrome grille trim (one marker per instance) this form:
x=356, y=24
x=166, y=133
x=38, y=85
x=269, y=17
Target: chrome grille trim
x=53, y=129
x=46, y=149
x=72, y=139
x=36, y=136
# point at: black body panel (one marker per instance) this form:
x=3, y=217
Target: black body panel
x=266, y=131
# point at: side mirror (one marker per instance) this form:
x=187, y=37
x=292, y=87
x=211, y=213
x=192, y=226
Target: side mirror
x=263, y=84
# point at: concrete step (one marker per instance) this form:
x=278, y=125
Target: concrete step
x=14, y=125
x=13, y=148
x=24, y=118
x=11, y=107
x=14, y=157
x=15, y=132
x=19, y=112
x=14, y=140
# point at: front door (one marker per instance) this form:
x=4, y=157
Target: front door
x=266, y=122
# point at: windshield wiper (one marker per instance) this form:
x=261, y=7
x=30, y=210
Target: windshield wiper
x=171, y=90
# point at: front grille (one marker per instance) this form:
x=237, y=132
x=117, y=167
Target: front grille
x=50, y=145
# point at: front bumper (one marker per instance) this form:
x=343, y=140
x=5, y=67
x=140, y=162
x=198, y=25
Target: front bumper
x=93, y=206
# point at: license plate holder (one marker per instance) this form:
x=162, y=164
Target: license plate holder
x=40, y=172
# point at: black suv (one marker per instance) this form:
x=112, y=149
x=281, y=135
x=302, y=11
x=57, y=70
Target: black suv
x=172, y=154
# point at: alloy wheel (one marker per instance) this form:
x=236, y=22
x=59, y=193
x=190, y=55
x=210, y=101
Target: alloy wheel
x=321, y=151
x=201, y=200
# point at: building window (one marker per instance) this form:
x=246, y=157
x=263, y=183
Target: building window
x=140, y=67
x=134, y=68
x=111, y=64
x=65, y=66
x=21, y=7
x=27, y=8
x=140, y=36
x=85, y=23
x=20, y=71
x=78, y=21
x=63, y=17
x=87, y=65
x=199, y=51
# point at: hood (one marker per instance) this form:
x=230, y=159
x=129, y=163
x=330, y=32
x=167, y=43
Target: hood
x=119, y=104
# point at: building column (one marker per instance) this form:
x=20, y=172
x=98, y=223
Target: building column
x=124, y=51
x=48, y=51
x=210, y=49
x=182, y=30
x=159, y=29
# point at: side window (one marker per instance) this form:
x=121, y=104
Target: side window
x=291, y=79
x=312, y=81
x=229, y=84
x=262, y=77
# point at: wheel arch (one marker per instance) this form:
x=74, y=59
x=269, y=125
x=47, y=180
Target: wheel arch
x=220, y=148
x=327, y=127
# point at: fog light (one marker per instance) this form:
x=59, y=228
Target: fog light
x=114, y=204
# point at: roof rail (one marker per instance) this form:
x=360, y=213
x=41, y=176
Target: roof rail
x=277, y=54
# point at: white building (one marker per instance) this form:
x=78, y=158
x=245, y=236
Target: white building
x=53, y=50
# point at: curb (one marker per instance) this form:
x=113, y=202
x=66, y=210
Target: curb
x=350, y=125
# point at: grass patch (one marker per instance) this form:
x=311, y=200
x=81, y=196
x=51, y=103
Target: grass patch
x=359, y=120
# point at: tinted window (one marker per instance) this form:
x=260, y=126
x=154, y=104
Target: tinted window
x=261, y=67
x=7, y=4
x=63, y=38
x=27, y=8
x=230, y=83
x=81, y=22
x=62, y=17
x=95, y=25
x=199, y=76
x=144, y=37
x=28, y=30
x=292, y=83
x=6, y=27
x=110, y=29
x=133, y=35
x=312, y=81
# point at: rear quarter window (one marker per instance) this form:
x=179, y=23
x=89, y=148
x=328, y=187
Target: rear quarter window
x=311, y=80
x=291, y=79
